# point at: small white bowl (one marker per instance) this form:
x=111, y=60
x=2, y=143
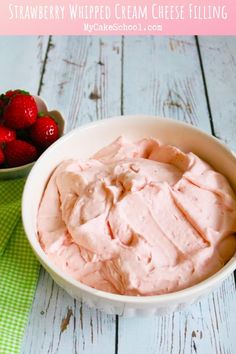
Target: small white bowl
x=21, y=171
x=82, y=143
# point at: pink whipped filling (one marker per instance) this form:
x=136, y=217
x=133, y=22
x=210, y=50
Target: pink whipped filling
x=138, y=219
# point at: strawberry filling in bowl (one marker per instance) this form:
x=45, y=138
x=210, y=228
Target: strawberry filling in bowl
x=94, y=223
x=27, y=128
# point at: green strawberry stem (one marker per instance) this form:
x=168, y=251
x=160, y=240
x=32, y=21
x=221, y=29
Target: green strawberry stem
x=23, y=92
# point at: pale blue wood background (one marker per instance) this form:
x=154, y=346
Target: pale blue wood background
x=190, y=79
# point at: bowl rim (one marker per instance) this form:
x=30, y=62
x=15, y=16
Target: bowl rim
x=196, y=289
x=16, y=169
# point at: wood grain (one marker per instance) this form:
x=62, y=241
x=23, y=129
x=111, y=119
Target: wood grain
x=219, y=61
x=162, y=76
x=85, y=330
x=21, y=62
x=206, y=327
x=83, y=78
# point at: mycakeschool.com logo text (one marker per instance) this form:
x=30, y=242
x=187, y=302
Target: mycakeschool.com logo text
x=120, y=27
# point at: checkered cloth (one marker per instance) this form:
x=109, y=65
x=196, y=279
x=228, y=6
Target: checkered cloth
x=19, y=269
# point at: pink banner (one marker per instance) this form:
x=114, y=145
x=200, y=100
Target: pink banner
x=117, y=18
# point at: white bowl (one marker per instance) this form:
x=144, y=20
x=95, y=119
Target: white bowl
x=21, y=171
x=82, y=143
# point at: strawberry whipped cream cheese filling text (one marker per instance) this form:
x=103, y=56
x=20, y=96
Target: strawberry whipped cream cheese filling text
x=138, y=219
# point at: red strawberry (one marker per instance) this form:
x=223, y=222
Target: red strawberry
x=20, y=112
x=6, y=134
x=2, y=157
x=19, y=152
x=11, y=93
x=44, y=132
x=4, y=99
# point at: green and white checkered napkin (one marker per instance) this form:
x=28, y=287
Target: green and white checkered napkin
x=18, y=269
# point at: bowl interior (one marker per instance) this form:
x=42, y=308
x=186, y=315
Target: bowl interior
x=86, y=140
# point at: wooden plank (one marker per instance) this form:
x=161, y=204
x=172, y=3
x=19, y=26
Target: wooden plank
x=202, y=328
x=163, y=76
x=22, y=63
x=219, y=60
x=83, y=79
x=60, y=324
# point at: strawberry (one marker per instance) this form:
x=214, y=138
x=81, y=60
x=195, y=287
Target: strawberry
x=11, y=93
x=19, y=152
x=20, y=112
x=6, y=134
x=2, y=157
x=44, y=131
x=5, y=97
